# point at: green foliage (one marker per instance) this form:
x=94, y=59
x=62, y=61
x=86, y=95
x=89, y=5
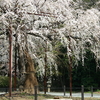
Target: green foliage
x=86, y=75
x=4, y=81
x=59, y=80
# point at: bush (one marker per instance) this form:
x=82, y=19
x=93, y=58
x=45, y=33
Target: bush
x=4, y=81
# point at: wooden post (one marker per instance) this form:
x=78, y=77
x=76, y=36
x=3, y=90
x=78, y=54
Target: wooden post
x=64, y=90
x=35, y=92
x=82, y=92
x=91, y=91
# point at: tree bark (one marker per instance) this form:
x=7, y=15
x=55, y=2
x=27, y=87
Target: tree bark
x=30, y=79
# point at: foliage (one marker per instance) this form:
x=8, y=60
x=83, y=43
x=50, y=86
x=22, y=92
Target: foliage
x=4, y=81
x=86, y=75
x=38, y=24
x=59, y=79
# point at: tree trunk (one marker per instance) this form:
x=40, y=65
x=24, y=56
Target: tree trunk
x=30, y=79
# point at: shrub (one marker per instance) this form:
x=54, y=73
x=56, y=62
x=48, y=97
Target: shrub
x=4, y=81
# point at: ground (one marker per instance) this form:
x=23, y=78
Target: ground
x=41, y=98
x=23, y=96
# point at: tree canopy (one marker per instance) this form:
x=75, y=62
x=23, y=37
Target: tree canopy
x=39, y=25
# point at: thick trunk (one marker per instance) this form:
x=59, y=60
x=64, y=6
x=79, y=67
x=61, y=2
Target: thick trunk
x=30, y=80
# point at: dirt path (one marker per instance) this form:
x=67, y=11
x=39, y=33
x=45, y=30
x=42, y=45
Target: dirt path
x=14, y=98
x=19, y=98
